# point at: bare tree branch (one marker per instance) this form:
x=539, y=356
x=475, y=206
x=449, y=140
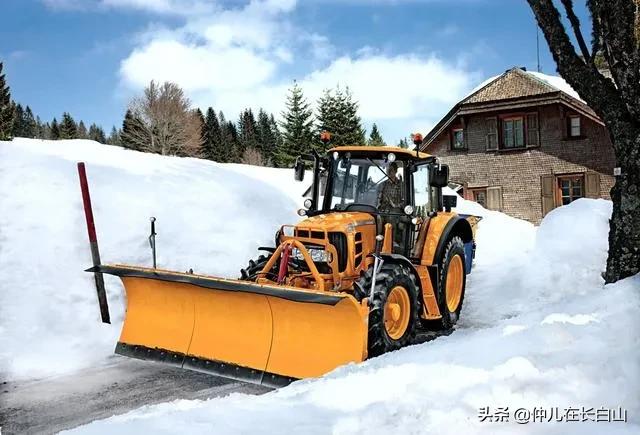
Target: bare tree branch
x=616, y=23
x=167, y=125
x=575, y=24
x=597, y=91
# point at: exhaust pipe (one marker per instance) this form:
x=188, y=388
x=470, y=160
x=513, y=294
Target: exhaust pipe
x=93, y=243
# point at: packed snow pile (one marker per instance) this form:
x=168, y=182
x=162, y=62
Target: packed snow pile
x=539, y=331
x=210, y=217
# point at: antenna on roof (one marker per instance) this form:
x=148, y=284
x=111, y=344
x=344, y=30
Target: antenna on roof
x=538, y=45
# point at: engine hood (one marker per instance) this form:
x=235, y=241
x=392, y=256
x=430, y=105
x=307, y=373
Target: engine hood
x=337, y=221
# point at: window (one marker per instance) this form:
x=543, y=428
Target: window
x=492, y=133
x=574, y=126
x=570, y=188
x=513, y=132
x=361, y=181
x=421, y=190
x=480, y=196
x=457, y=139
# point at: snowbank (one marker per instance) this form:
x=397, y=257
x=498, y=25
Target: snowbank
x=211, y=218
x=538, y=329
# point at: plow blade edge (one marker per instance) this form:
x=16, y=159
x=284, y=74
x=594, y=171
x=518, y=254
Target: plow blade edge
x=265, y=334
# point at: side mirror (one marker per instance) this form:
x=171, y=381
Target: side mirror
x=449, y=202
x=440, y=176
x=299, y=169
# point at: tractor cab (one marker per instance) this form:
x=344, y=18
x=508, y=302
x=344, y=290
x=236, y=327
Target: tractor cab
x=400, y=187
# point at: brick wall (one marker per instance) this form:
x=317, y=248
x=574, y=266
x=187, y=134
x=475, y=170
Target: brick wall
x=519, y=172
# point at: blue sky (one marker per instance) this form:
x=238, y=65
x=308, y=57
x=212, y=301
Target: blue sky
x=406, y=61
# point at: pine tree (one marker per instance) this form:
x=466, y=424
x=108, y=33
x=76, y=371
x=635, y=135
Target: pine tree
x=226, y=144
x=297, y=134
x=133, y=132
x=114, y=137
x=96, y=133
x=248, y=133
x=196, y=149
x=82, y=131
x=338, y=114
x=403, y=143
x=30, y=124
x=211, y=136
x=6, y=108
x=68, y=127
x=54, y=130
x=17, y=129
x=42, y=130
x=354, y=134
x=267, y=136
x=375, y=138
x=277, y=135
x=233, y=146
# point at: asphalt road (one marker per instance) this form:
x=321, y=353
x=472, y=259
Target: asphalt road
x=53, y=404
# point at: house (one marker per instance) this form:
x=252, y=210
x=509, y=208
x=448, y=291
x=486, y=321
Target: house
x=524, y=143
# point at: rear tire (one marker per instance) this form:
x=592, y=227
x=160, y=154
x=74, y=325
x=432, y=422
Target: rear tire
x=451, y=283
x=393, y=313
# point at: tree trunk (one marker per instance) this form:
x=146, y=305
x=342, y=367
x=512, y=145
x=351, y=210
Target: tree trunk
x=624, y=228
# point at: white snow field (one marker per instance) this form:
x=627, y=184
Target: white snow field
x=210, y=217
x=539, y=330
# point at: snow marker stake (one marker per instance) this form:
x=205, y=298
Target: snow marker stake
x=152, y=239
x=93, y=243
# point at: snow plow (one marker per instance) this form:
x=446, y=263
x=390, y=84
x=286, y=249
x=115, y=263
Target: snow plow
x=378, y=258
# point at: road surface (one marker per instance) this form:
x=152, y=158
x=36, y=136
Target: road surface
x=50, y=405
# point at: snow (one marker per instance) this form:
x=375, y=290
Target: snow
x=558, y=83
x=210, y=217
x=539, y=329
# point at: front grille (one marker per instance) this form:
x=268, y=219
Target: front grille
x=339, y=241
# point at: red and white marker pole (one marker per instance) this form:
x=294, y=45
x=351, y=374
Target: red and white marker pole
x=93, y=242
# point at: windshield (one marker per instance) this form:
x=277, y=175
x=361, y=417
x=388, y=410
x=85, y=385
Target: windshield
x=373, y=182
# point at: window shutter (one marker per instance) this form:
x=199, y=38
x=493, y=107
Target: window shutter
x=547, y=191
x=564, y=124
x=533, y=137
x=492, y=133
x=592, y=185
x=494, y=198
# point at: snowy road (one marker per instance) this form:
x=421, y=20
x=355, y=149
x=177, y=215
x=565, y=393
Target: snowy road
x=54, y=404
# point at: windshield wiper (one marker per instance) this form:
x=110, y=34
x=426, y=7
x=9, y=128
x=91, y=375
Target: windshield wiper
x=381, y=170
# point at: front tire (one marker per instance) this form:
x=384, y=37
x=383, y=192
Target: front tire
x=451, y=283
x=393, y=314
x=253, y=269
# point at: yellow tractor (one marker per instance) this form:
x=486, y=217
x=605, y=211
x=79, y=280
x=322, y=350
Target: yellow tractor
x=378, y=258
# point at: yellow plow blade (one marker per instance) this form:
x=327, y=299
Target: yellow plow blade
x=265, y=334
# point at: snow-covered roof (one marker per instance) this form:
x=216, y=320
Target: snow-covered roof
x=513, y=85
x=557, y=82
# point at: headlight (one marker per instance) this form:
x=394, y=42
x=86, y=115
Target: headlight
x=408, y=210
x=336, y=155
x=308, y=203
x=317, y=255
x=302, y=212
x=391, y=157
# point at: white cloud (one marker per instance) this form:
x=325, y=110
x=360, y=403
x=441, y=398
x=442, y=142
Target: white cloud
x=248, y=57
x=171, y=7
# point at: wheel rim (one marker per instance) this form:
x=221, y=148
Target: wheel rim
x=455, y=275
x=396, y=312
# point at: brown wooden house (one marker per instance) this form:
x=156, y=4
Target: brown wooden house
x=524, y=143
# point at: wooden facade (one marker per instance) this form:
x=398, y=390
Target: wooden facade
x=524, y=143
